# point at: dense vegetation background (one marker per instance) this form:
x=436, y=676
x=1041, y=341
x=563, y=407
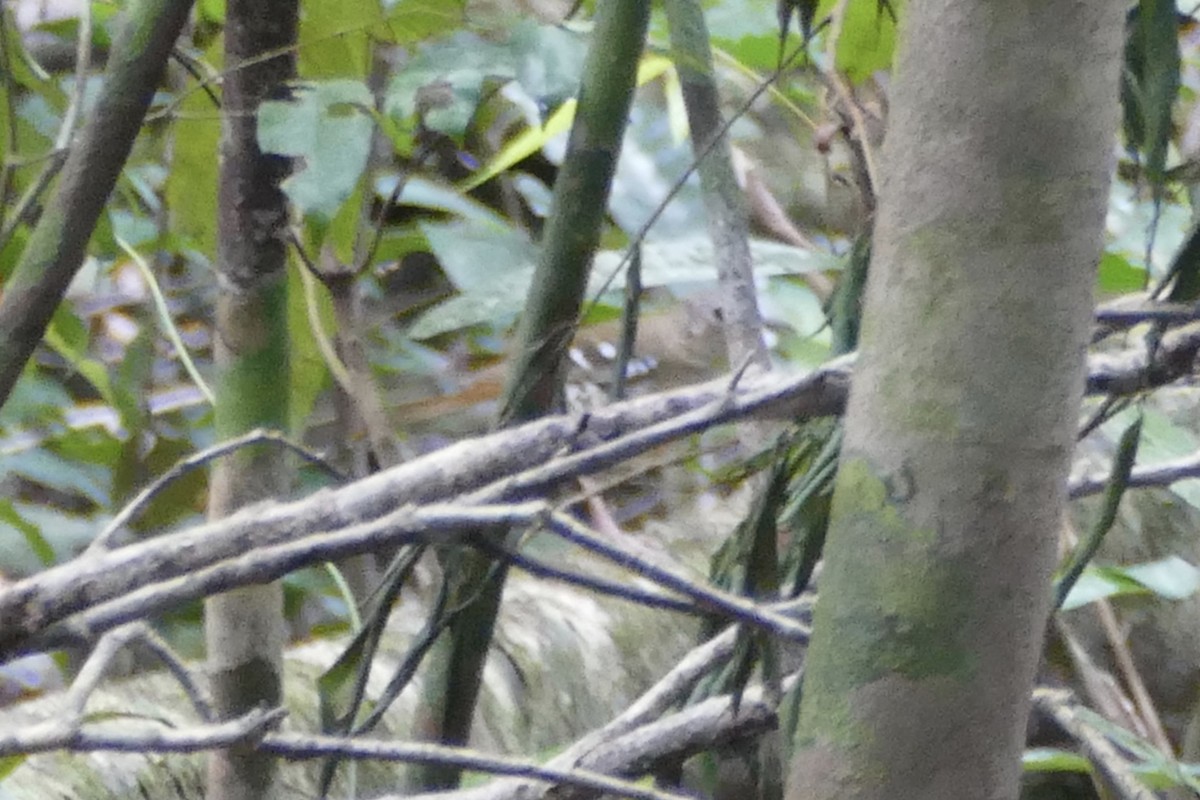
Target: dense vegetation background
x=392, y=260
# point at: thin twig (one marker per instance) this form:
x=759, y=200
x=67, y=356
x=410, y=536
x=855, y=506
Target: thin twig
x=1108, y=761
x=735, y=606
x=105, y=539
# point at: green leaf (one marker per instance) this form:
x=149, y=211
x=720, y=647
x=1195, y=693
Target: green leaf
x=492, y=267
x=535, y=136
x=1051, y=759
x=434, y=196
x=1097, y=583
x=33, y=536
x=179, y=500
x=482, y=258
x=36, y=399
x=1117, y=275
x=191, y=186
x=212, y=10
x=334, y=41
x=409, y=21
x=70, y=335
x=308, y=372
x=1150, y=84
x=9, y=763
x=689, y=259
x=545, y=60
x=90, y=445
x=867, y=42
x=65, y=533
x=1171, y=578
x=327, y=126
x=63, y=475
x=103, y=18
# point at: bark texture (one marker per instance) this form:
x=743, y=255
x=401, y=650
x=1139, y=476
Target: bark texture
x=244, y=629
x=535, y=385
x=962, y=413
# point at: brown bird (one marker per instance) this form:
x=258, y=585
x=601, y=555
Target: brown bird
x=677, y=343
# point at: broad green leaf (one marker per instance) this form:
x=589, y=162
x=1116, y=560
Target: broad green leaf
x=1150, y=84
x=212, y=10
x=430, y=194
x=1097, y=583
x=36, y=399
x=1117, y=275
x=33, y=536
x=63, y=475
x=104, y=17
x=133, y=229
x=65, y=533
x=409, y=21
x=668, y=262
x=180, y=500
x=868, y=36
x=1171, y=578
x=335, y=39
x=534, y=137
x=41, y=115
x=544, y=59
x=481, y=257
x=69, y=338
x=191, y=188
x=89, y=445
x=9, y=763
x=328, y=126
x=492, y=268
x=747, y=30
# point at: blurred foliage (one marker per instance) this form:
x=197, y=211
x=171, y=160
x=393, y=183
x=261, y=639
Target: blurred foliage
x=426, y=136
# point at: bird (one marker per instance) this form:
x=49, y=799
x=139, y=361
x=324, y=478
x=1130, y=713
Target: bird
x=678, y=343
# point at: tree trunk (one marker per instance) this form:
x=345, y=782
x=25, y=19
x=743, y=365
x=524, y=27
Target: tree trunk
x=244, y=629
x=573, y=230
x=962, y=415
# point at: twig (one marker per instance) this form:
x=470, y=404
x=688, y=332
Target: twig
x=1116, y=771
x=296, y=746
x=105, y=539
x=266, y=560
x=1149, y=477
x=83, y=62
x=635, y=750
x=735, y=606
x=600, y=585
x=153, y=737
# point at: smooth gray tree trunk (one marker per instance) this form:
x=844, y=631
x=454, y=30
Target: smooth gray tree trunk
x=962, y=415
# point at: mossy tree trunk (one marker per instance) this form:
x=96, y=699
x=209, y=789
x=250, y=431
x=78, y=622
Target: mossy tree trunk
x=245, y=628
x=962, y=416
